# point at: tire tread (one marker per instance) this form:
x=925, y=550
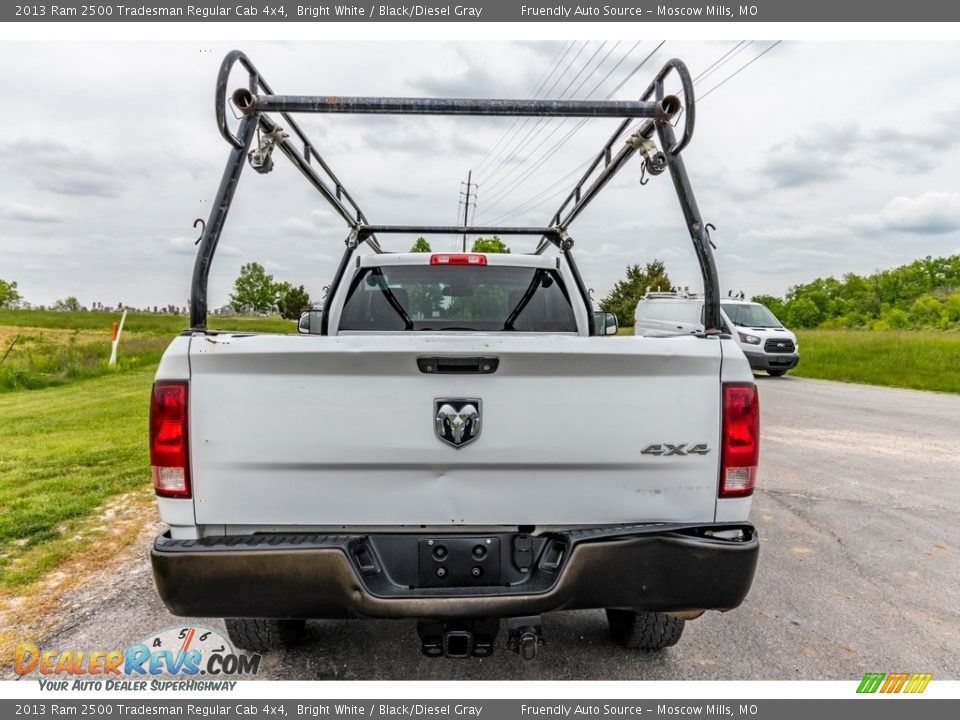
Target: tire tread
x=263, y=634
x=644, y=630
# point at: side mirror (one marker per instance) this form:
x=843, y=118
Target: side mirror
x=309, y=323
x=604, y=323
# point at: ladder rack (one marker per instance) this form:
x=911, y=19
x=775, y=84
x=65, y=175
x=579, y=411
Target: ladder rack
x=257, y=99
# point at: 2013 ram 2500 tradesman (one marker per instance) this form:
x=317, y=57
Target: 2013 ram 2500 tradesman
x=454, y=443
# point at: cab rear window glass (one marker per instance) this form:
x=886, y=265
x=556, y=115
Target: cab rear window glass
x=458, y=298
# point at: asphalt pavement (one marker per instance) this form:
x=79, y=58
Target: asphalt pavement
x=857, y=508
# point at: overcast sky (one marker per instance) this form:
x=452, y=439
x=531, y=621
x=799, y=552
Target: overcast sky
x=817, y=159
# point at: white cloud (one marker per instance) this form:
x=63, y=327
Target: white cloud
x=932, y=213
x=780, y=234
x=32, y=214
x=182, y=245
x=296, y=226
x=229, y=250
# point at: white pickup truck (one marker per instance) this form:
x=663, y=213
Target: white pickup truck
x=456, y=443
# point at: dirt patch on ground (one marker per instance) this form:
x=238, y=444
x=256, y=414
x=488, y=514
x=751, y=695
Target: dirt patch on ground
x=115, y=536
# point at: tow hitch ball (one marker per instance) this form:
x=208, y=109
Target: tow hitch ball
x=525, y=635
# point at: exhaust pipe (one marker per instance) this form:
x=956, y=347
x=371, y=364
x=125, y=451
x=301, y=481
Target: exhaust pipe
x=525, y=635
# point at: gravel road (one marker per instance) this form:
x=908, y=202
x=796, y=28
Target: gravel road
x=857, y=506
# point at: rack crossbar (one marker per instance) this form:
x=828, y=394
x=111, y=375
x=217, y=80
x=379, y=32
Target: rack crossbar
x=453, y=230
x=249, y=103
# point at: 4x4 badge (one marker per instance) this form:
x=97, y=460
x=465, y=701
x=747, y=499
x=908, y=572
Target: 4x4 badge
x=456, y=421
x=681, y=449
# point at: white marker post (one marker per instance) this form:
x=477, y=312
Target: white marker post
x=116, y=338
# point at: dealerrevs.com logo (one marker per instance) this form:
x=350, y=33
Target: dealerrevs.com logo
x=899, y=682
x=199, y=658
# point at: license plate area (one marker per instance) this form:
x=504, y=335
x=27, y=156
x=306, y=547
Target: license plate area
x=459, y=561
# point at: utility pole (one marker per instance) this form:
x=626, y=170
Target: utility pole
x=466, y=204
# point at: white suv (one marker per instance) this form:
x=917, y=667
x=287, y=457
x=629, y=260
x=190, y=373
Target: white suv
x=766, y=343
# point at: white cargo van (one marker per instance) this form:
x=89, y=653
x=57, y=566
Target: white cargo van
x=767, y=344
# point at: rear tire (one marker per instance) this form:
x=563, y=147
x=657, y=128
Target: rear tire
x=263, y=634
x=644, y=630
x=776, y=373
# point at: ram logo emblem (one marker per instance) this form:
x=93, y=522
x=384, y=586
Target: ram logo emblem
x=456, y=421
x=666, y=449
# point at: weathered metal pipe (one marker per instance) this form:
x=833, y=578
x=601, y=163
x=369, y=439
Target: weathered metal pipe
x=243, y=100
x=452, y=230
x=247, y=102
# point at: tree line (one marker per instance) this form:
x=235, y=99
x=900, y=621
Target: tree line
x=921, y=294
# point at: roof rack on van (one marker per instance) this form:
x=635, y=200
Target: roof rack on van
x=681, y=294
x=256, y=100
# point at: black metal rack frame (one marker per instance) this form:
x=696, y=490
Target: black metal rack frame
x=258, y=99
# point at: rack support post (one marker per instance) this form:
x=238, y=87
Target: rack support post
x=214, y=226
x=696, y=228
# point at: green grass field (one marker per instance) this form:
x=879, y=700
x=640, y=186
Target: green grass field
x=48, y=348
x=63, y=452
x=923, y=360
x=168, y=325
x=918, y=359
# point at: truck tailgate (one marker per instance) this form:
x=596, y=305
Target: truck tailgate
x=340, y=431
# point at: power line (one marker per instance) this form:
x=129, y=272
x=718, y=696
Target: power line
x=552, y=68
x=541, y=121
x=723, y=59
x=502, y=193
x=523, y=206
x=531, y=136
x=744, y=67
x=599, y=84
x=519, y=124
x=536, y=201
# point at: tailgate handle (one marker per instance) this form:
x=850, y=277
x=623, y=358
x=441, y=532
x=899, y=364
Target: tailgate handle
x=458, y=365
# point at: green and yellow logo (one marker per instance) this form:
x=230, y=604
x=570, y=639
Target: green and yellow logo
x=894, y=682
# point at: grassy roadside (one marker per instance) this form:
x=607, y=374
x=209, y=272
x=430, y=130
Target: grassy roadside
x=917, y=359
x=922, y=360
x=168, y=325
x=64, y=452
x=40, y=349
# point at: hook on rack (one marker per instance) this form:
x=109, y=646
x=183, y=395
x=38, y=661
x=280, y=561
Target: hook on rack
x=203, y=227
x=709, y=227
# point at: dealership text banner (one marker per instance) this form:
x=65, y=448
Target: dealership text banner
x=635, y=11
x=485, y=709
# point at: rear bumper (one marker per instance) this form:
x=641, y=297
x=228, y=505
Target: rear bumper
x=654, y=567
x=772, y=361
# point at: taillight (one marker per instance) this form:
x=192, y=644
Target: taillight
x=169, y=458
x=458, y=259
x=741, y=440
